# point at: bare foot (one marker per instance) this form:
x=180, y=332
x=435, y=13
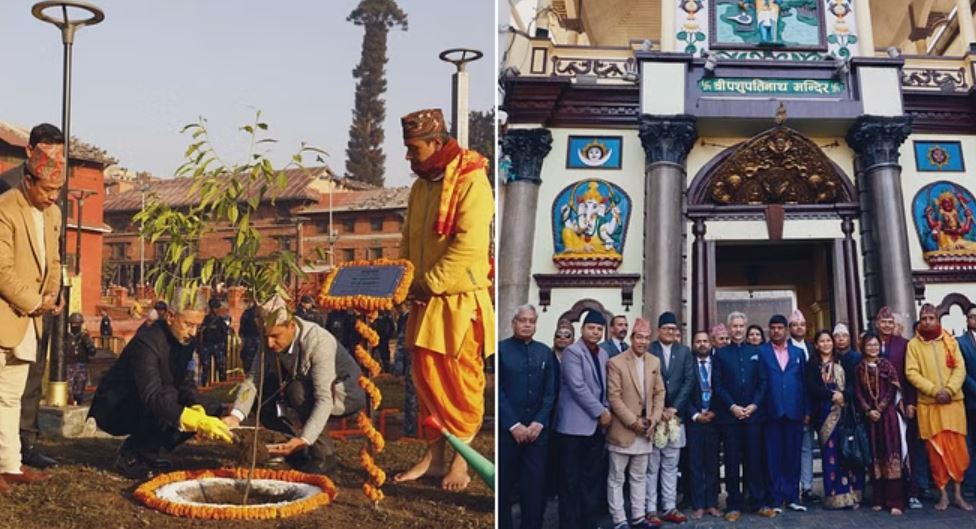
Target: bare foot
x=943, y=503
x=457, y=478
x=876, y=508
x=697, y=514
x=963, y=504
x=712, y=511
x=896, y=512
x=425, y=467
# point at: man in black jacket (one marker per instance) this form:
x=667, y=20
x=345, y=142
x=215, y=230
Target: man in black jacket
x=148, y=396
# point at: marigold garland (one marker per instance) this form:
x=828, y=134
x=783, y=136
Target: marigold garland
x=146, y=494
x=372, y=337
x=375, y=397
x=371, y=433
x=367, y=304
x=376, y=474
x=373, y=493
x=369, y=363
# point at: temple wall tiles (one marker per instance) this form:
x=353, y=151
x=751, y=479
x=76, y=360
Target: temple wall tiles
x=922, y=187
x=558, y=182
x=794, y=30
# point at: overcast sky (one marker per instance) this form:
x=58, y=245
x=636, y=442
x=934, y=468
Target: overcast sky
x=153, y=66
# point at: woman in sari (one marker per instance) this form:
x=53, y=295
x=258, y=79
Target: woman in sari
x=830, y=389
x=876, y=389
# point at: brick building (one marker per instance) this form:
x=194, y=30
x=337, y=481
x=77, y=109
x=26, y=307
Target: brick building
x=86, y=178
x=367, y=224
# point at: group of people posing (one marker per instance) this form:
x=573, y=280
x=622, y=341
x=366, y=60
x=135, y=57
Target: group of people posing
x=614, y=411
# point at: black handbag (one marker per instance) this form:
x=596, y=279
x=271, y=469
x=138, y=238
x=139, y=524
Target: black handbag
x=855, y=446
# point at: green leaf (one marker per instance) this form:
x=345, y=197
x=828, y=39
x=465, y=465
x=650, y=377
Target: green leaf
x=262, y=126
x=187, y=264
x=207, y=271
x=232, y=213
x=682, y=35
x=690, y=48
x=699, y=36
x=832, y=38
x=852, y=39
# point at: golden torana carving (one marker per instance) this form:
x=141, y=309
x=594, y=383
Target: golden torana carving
x=778, y=166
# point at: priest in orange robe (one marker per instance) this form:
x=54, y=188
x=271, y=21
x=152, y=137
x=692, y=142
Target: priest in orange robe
x=451, y=327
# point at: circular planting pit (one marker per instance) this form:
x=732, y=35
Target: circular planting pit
x=219, y=494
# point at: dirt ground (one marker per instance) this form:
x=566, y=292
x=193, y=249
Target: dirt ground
x=84, y=493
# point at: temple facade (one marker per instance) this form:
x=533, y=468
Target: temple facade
x=713, y=155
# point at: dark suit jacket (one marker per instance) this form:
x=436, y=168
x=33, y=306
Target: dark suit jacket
x=785, y=395
x=528, y=374
x=611, y=348
x=149, y=378
x=742, y=381
x=695, y=402
x=679, y=375
x=968, y=348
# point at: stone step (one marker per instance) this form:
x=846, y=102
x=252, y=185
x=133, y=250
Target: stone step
x=69, y=422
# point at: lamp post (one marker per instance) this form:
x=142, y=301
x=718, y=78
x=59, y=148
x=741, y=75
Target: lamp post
x=79, y=195
x=57, y=394
x=143, y=189
x=333, y=237
x=299, y=247
x=460, y=57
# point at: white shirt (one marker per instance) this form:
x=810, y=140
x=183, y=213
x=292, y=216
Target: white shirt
x=801, y=344
x=619, y=344
x=666, y=353
x=641, y=386
x=708, y=370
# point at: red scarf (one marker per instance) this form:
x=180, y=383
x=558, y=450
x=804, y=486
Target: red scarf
x=434, y=165
x=928, y=336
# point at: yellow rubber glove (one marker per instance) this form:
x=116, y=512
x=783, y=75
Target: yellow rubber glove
x=193, y=419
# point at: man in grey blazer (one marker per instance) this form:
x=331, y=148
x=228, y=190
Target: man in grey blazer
x=308, y=377
x=678, y=371
x=582, y=413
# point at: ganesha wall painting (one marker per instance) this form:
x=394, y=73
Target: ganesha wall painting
x=943, y=215
x=589, y=226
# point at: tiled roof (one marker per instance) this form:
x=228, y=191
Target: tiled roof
x=175, y=192
x=381, y=198
x=18, y=137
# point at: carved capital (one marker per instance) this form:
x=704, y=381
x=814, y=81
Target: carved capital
x=526, y=148
x=667, y=138
x=876, y=139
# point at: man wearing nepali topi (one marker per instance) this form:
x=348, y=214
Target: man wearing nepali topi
x=451, y=327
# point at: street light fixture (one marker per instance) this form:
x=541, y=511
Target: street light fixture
x=58, y=388
x=460, y=57
x=144, y=188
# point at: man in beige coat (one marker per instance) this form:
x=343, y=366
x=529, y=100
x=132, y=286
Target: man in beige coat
x=635, y=391
x=30, y=224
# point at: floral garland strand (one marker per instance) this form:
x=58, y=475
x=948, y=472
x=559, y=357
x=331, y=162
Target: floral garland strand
x=375, y=397
x=372, y=337
x=368, y=362
x=371, y=433
x=146, y=494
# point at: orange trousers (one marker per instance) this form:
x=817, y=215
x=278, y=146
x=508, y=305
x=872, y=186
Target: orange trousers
x=452, y=387
x=948, y=457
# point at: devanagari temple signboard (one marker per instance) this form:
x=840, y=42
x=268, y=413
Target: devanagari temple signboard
x=759, y=86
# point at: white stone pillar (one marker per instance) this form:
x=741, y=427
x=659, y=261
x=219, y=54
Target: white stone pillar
x=667, y=24
x=964, y=13
x=865, y=32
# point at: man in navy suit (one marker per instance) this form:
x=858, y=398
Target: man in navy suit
x=582, y=412
x=740, y=390
x=702, y=430
x=798, y=338
x=785, y=409
x=678, y=371
x=527, y=376
x=616, y=341
x=967, y=343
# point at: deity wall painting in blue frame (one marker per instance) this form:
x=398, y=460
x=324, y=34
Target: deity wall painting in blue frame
x=589, y=226
x=751, y=24
x=939, y=156
x=943, y=216
x=594, y=152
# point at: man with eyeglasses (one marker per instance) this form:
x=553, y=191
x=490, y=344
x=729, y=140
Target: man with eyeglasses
x=564, y=337
x=30, y=230
x=967, y=344
x=678, y=371
x=527, y=376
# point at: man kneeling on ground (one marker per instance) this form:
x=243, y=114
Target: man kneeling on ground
x=308, y=378
x=148, y=396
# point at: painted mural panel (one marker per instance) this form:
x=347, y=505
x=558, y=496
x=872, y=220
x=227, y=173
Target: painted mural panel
x=943, y=215
x=745, y=24
x=589, y=226
x=594, y=152
x=939, y=156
